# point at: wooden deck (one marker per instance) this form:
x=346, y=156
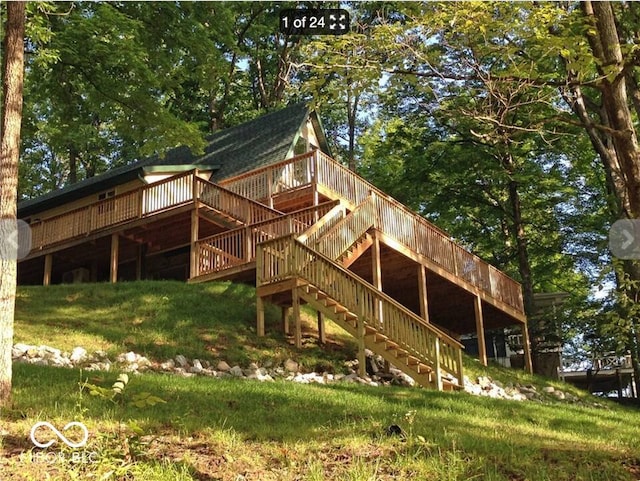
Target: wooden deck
x=306, y=230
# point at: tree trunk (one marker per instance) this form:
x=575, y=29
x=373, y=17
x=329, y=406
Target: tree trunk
x=13, y=76
x=621, y=160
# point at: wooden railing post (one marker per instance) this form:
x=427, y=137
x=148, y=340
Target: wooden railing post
x=141, y=203
x=248, y=244
x=194, y=252
x=460, y=375
x=437, y=371
x=362, y=358
x=270, y=187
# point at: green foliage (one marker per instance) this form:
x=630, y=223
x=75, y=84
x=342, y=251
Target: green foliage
x=117, y=393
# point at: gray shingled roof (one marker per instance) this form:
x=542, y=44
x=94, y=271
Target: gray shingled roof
x=262, y=141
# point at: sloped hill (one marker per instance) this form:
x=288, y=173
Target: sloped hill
x=166, y=427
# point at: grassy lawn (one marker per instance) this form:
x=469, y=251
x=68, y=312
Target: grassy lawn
x=227, y=429
x=162, y=319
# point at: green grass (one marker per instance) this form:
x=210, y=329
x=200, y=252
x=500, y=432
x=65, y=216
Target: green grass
x=231, y=429
x=162, y=319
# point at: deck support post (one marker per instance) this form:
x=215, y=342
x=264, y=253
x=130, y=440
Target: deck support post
x=482, y=347
x=296, y=317
x=528, y=365
x=48, y=264
x=115, y=245
x=322, y=335
x=140, y=262
x=260, y=316
x=422, y=292
x=193, y=254
x=285, y=321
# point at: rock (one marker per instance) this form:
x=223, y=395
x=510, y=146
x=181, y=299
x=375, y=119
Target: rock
x=168, y=365
x=485, y=383
x=181, y=361
x=197, y=367
x=549, y=389
x=559, y=394
x=223, y=366
x=78, y=354
x=101, y=355
x=291, y=366
x=20, y=350
x=130, y=357
x=236, y=371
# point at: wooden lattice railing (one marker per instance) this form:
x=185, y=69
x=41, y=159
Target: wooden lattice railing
x=392, y=218
x=238, y=246
x=285, y=258
x=144, y=202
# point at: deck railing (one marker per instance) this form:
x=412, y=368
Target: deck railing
x=244, y=209
x=265, y=182
x=238, y=246
x=284, y=258
x=143, y=202
x=393, y=219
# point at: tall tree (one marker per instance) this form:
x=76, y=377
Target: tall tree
x=12, y=75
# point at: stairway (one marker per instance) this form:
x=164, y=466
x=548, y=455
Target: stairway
x=356, y=250
x=236, y=248
x=379, y=323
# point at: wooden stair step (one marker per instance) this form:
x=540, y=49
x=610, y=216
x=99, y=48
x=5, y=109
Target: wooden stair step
x=390, y=345
x=412, y=361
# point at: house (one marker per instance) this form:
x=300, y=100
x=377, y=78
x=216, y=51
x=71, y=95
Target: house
x=267, y=204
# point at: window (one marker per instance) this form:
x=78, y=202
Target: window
x=107, y=206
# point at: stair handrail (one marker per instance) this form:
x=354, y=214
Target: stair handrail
x=335, y=241
x=300, y=257
x=249, y=212
x=326, y=222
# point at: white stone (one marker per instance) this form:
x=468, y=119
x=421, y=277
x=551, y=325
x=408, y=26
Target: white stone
x=168, y=365
x=549, y=389
x=130, y=357
x=20, y=350
x=559, y=394
x=78, y=354
x=181, y=361
x=197, y=367
x=291, y=366
x=223, y=366
x=236, y=371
